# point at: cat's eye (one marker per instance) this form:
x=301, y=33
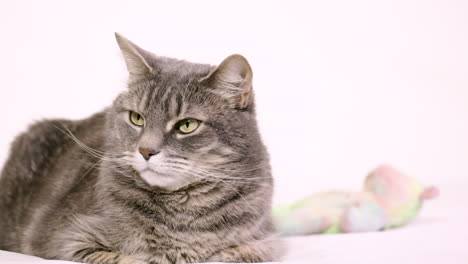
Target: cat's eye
x=187, y=126
x=137, y=119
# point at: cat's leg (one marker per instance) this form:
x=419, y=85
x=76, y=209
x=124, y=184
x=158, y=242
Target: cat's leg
x=86, y=240
x=260, y=251
x=93, y=253
x=106, y=257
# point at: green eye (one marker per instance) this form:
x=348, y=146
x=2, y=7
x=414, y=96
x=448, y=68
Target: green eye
x=187, y=126
x=137, y=119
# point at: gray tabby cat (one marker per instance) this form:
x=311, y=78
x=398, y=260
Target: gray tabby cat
x=173, y=172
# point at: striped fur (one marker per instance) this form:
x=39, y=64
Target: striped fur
x=80, y=191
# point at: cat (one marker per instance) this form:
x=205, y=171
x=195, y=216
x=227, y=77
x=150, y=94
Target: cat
x=174, y=171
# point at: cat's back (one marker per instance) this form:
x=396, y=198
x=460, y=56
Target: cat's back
x=42, y=166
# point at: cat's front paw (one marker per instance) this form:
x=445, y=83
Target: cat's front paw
x=131, y=260
x=261, y=251
x=104, y=257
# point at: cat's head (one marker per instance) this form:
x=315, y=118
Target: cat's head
x=180, y=123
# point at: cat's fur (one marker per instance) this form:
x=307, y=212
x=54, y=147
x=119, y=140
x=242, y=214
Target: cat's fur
x=80, y=191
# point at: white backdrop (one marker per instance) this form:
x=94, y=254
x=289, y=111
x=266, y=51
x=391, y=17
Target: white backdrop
x=341, y=85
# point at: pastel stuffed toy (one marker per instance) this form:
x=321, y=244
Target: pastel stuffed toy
x=389, y=199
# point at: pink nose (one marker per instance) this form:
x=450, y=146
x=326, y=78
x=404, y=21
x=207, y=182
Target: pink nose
x=147, y=153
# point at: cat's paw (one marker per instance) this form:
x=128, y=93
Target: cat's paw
x=104, y=257
x=261, y=251
x=131, y=260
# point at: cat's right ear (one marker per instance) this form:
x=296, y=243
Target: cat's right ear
x=137, y=59
x=232, y=79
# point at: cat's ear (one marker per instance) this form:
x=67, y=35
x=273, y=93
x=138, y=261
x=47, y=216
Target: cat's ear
x=137, y=59
x=232, y=79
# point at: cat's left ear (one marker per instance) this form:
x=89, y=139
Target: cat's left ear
x=137, y=59
x=232, y=79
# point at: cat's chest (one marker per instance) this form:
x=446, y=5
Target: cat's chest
x=182, y=230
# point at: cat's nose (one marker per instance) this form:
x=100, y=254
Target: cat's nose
x=147, y=153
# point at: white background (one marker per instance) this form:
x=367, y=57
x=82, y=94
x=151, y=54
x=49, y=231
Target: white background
x=341, y=86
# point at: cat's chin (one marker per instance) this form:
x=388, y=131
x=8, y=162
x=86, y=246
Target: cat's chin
x=162, y=181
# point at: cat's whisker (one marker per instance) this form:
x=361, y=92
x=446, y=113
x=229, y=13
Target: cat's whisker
x=89, y=170
x=231, y=157
x=228, y=159
x=214, y=176
x=121, y=167
x=207, y=169
x=123, y=171
x=93, y=152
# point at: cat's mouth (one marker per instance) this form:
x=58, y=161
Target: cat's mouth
x=149, y=172
x=157, y=174
x=162, y=180
x=148, y=169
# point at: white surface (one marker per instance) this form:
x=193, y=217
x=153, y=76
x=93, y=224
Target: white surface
x=439, y=235
x=341, y=86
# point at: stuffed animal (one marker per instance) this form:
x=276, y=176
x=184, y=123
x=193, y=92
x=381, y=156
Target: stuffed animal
x=389, y=199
